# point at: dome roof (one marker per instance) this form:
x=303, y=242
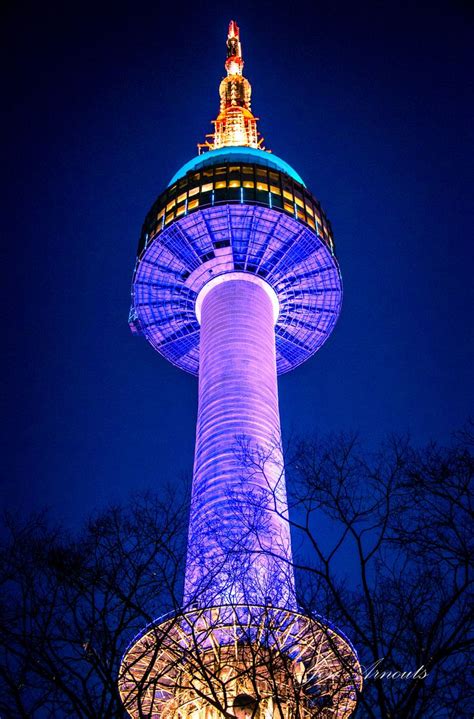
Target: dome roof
x=236, y=154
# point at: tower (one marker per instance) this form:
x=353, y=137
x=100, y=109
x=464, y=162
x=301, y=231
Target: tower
x=236, y=281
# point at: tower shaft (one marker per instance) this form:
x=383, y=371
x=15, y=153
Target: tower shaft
x=239, y=540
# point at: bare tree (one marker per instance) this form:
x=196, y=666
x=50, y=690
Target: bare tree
x=381, y=546
x=70, y=605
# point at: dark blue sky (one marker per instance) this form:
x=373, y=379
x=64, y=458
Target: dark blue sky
x=372, y=104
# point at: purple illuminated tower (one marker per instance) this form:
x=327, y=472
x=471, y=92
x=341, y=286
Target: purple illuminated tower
x=235, y=282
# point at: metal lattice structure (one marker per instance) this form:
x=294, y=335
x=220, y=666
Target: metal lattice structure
x=293, y=260
x=202, y=662
x=235, y=281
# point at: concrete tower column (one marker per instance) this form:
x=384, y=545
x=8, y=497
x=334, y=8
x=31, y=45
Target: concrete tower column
x=239, y=546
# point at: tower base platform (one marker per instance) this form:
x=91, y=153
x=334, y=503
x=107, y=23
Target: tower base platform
x=240, y=661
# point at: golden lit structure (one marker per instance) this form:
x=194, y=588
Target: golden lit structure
x=240, y=661
x=235, y=125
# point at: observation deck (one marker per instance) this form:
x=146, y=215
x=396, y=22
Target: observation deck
x=235, y=210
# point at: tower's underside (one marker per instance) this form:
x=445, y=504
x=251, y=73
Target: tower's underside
x=236, y=218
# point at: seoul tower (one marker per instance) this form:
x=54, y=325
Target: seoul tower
x=236, y=281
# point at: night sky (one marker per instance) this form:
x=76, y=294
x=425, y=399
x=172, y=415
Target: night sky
x=373, y=106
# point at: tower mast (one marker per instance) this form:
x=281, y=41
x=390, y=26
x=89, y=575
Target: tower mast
x=235, y=125
x=236, y=281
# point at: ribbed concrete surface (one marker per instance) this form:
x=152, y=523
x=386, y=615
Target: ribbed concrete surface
x=239, y=548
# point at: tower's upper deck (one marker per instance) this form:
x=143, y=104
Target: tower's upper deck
x=235, y=208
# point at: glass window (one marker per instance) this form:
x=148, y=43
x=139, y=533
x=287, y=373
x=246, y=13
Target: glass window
x=207, y=187
x=311, y=223
x=170, y=205
x=276, y=190
x=262, y=186
x=182, y=197
x=234, y=183
x=287, y=195
x=193, y=192
x=273, y=177
x=220, y=184
x=248, y=183
x=299, y=202
x=180, y=210
x=288, y=207
x=309, y=210
x=247, y=169
x=193, y=204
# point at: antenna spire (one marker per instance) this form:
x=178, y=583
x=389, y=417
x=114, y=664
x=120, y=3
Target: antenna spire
x=235, y=125
x=234, y=63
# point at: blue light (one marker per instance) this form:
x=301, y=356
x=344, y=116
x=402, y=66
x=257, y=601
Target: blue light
x=234, y=154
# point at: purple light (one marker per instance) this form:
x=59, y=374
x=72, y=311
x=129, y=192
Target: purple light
x=239, y=540
x=228, y=238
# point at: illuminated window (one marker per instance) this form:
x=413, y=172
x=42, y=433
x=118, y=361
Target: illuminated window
x=309, y=210
x=169, y=218
x=261, y=172
x=262, y=186
x=288, y=207
x=247, y=170
x=276, y=190
x=287, y=195
x=193, y=204
x=207, y=187
x=207, y=173
x=196, y=177
x=311, y=223
x=170, y=205
x=248, y=183
x=160, y=215
x=299, y=202
x=273, y=176
x=235, y=168
x=300, y=214
x=234, y=183
x=181, y=198
x=220, y=184
x=193, y=192
x=220, y=170
x=180, y=210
